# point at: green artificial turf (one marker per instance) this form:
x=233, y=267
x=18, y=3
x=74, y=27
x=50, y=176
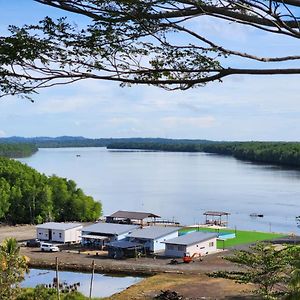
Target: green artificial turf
x=242, y=236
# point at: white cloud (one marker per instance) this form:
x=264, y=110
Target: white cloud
x=61, y=105
x=201, y=122
x=123, y=120
x=2, y=133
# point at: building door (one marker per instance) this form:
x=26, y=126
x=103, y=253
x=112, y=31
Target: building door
x=50, y=234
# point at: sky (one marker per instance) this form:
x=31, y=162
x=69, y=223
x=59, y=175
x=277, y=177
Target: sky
x=240, y=108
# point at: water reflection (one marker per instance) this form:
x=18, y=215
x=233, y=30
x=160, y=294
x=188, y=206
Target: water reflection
x=103, y=286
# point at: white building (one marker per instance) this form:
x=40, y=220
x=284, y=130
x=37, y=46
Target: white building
x=153, y=237
x=59, y=232
x=195, y=243
x=100, y=233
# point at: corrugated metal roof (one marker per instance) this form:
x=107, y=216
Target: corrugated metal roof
x=109, y=228
x=153, y=232
x=192, y=238
x=135, y=215
x=58, y=226
x=123, y=244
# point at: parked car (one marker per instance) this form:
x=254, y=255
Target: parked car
x=49, y=247
x=33, y=243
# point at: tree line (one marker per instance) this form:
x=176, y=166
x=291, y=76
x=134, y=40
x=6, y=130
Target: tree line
x=17, y=150
x=279, y=153
x=79, y=141
x=29, y=197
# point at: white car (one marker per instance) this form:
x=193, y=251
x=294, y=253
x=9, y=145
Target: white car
x=49, y=247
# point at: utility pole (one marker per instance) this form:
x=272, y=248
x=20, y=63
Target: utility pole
x=92, y=279
x=57, y=279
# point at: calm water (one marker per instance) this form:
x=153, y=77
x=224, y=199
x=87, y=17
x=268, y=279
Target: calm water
x=180, y=185
x=103, y=285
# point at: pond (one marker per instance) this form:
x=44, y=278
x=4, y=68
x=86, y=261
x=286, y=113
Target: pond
x=103, y=285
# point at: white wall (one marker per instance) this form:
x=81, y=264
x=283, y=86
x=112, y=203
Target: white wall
x=72, y=235
x=58, y=235
x=158, y=244
x=42, y=234
x=202, y=248
x=63, y=236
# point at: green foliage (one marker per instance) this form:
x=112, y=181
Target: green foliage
x=274, y=272
x=280, y=153
x=13, y=267
x=41, y=293
x=31, y=197
x=139, y=42
x=38, y=293
x=17, y=150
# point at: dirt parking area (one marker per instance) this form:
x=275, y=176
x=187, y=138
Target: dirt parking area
x=72, y=260
x=20, y=232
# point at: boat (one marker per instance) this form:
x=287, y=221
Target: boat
x=255, y=215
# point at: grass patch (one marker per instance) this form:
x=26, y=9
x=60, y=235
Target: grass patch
x=242, y=236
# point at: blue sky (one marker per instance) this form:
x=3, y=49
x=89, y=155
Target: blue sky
x=240, y=108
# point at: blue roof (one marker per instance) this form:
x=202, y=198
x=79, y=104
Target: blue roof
x=192, y=238
x=58, y=226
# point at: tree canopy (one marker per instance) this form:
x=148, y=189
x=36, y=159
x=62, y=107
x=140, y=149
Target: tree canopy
x=28, y=197
x=153, y=42
x=13, y=267
x=273, y=271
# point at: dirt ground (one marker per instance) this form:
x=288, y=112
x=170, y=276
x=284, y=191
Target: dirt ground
x=20, y=232
x=189, y=280
x=189, y=286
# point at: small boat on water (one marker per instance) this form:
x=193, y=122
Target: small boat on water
x=255, y=215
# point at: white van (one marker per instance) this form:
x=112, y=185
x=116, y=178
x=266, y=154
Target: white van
x=49, y=247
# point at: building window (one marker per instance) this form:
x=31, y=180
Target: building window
x=211, y=244
x=181, y=248
x=171, y=247
x=60, y=235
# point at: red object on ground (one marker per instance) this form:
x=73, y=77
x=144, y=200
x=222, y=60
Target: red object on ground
x=187, y=259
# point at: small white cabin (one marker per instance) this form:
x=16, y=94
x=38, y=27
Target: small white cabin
x=195, y=244
x=153, y=237
x=59, y=232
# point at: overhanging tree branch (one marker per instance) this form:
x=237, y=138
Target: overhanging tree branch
x=141, y=42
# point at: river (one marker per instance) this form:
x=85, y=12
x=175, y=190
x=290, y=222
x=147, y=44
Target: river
x=180, y=186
